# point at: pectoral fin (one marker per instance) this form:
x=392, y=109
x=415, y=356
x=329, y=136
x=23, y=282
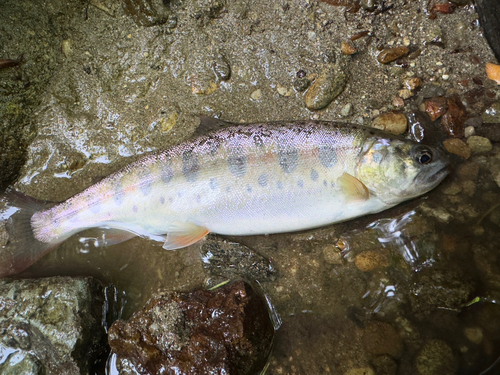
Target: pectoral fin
x=181, y=234
x=353, y=188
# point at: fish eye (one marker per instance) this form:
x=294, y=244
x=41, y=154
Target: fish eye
x=424, y=156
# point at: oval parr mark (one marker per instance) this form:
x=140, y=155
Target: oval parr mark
x=190, y=165
x=288, y=158
x=262, y=180
x=327, y=155
x=167, y=173
x=119, y=195
x=213, y=183
x=300, y=183
x=280, y=185
x=237, y=162
x=314, y=175
x=162, y=200
x=145, y=182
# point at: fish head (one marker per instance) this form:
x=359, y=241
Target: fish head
x=395, y=170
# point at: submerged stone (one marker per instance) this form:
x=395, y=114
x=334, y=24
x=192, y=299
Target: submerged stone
x=227, y=330
x=329, y=84
x=44, y=323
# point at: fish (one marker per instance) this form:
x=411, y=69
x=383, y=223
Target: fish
x=237, y=180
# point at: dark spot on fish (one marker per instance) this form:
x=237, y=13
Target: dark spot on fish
x=162, y=200
x=135, y=209
x=190, y=165
x=119, y=195
x=332, y=184
x=213, y=146
x=198, y=199
x=237, y=162
x=249, y=188
x=257, y=140
x=228, y=189
x=95, y=207
x=145, y=182
x=262, y=180
x=300, y=183
x=213, y=183
x=314, y=175
x=288, y=158
x=179, y=194
x=167, y=173
x=170, y=199
x=327, y=155
x=280, y=185
x=325, y=183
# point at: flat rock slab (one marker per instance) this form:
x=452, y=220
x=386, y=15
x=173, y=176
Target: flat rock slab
x=45, y=323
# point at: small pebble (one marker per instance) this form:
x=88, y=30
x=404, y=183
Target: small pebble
x=435, y=107
x=392, y=122
x=346, y=110
x=281, y=90
x=479, y=144
x=469, y=130
x=405, y=93
x=474, y=334
x=347, y=48
x=469, y=188
x=411, y=83
x=388, y=55
x=66, y=47
x=493, y=72
x=398, y=102
x=329, y=84
x=452, y=189
x=301, y=84
x=458, y=147
x=332, y=255
x=256, y=95
x=360, y=371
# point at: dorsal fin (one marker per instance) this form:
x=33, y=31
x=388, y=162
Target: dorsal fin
x=209, y=124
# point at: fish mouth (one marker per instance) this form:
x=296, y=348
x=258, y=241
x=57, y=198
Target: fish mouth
x=431, y=180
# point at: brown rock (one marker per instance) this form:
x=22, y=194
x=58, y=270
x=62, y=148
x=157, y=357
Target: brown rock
x=453, y=120
x=381, y=338
x=329, y=84
x=226, y=330
x=390, y=54
x=392, y=122
x=371, y=259
x=347, y=48
x=435, y=107
x=458, y=147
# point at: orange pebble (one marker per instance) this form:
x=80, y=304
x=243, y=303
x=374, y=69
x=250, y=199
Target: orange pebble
x=493, y=72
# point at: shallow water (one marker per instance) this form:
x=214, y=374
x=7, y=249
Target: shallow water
x=426, y=270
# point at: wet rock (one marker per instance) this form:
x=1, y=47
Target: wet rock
x=384, y=365
x=45, y=323
x=490, y=131
x=493, y=72
x=454, y=118
x=381, y=338
x=411, y=83
x=491, y=114
x=301, y=84
x=436, y=107
x=235, y=261
x=221, y=68
x=226, y=330
x=431, y=90
x=440, y=289
x=468, y=171
x=436, y=358
x=371, y=259
x=329, y=84
x=388, y=55
x=346, y=110
x=392, y=122
x=146, y=12
x=468, y=131
x=458, y=147
x=479, y=145
x=360, y=371
x=369, y=5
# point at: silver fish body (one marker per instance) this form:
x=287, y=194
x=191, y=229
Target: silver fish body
x=251, y=179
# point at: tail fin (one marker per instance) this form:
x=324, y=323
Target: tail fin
x=19, y=248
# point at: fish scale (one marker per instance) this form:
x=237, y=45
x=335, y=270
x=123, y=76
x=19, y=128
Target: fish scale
x=250, y=179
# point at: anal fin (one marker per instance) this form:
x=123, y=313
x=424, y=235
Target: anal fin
x=181, y=234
